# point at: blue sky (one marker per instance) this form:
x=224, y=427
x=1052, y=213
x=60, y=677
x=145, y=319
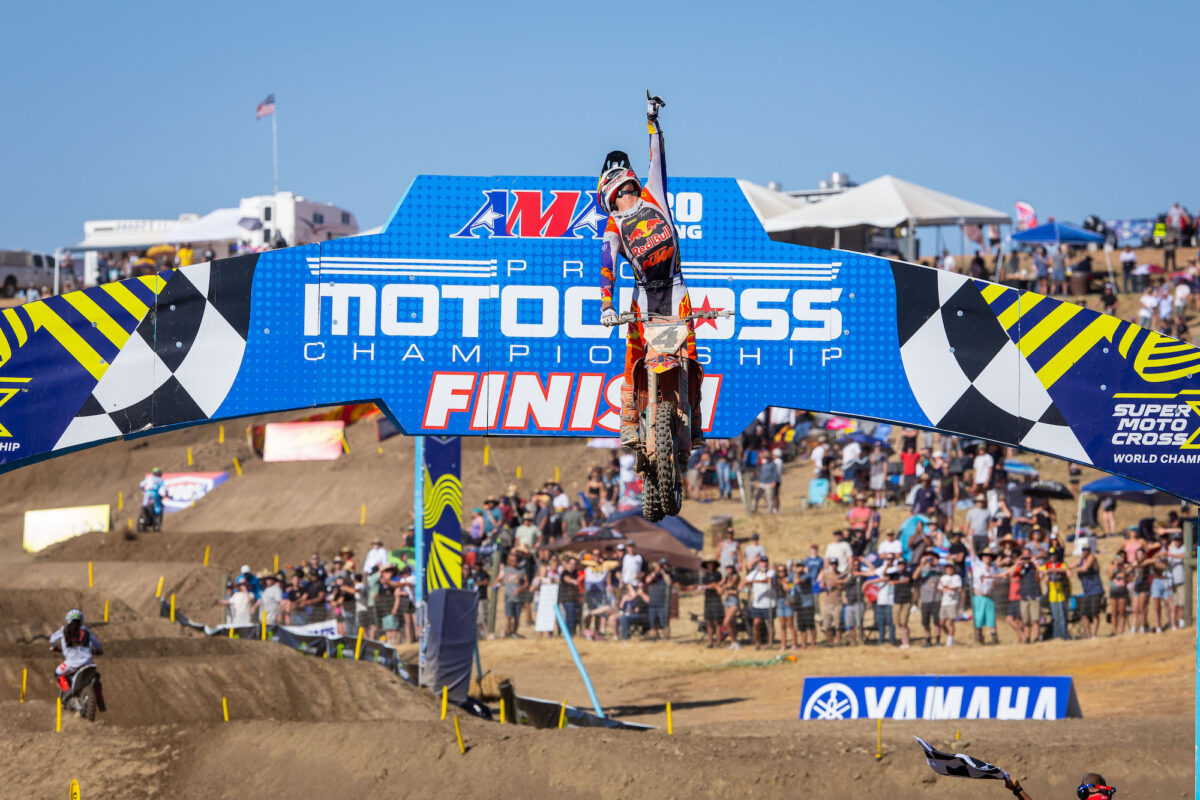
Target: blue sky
x=128, y=110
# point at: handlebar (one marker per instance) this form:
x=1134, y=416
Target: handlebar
x=629, y=316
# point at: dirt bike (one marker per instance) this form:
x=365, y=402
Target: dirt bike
x=85, y=695
x=664, y=410
x=149, y=520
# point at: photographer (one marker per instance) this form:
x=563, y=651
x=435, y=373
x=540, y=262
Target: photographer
x=658, y=591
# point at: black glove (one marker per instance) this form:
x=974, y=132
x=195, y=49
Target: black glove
x=653, y=104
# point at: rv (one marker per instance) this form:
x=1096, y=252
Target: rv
x=20, y=269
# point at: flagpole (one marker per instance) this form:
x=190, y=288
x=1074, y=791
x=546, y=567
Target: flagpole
x=275, y=148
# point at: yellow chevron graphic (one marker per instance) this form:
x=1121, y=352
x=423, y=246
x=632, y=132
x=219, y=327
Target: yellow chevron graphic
x=7, y=393
x=445, y=564
x=1161, y=358
x=1102, y=328
x=446, y=493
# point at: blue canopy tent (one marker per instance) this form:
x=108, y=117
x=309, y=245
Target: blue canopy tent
x=1131, y=491
x=1057, y=233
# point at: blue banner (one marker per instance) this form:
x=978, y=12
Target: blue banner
x=476, y=312
x=443, y=513
x=939, y=697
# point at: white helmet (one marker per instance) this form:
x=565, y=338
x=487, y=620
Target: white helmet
x=612, y=180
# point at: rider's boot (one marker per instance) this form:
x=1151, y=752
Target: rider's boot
x=629, y=418
x=99, y=696
x=697, y=428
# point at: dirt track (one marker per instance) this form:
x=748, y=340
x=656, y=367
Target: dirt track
x=343, y=727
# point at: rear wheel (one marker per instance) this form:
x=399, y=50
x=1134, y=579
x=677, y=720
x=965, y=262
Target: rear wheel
x=670, y=487
x=87, y=704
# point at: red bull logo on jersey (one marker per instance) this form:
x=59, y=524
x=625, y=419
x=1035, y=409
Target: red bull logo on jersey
x=527, y=214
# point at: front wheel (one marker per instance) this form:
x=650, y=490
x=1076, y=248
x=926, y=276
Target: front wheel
x=670, y=485
x=87, y=704
x=651, y=505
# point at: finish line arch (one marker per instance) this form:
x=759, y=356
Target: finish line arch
x=475, y=312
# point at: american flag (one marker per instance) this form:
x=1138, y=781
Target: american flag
x=266, y=108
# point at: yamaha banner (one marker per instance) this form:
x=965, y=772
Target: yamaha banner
x=939, y=697
x=443, y=513
x=476, y=311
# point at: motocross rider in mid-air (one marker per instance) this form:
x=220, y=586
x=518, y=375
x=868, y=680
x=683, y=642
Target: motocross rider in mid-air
x=77, y=644
x=641, y=228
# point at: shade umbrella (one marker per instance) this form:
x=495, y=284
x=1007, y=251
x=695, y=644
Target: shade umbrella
x=652, y=544
x=1049, y=489
x=161, y=250
x=684, y=532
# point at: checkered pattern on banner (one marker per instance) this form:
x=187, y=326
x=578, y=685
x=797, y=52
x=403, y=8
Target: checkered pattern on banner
x=966, y=373
x=182, y=359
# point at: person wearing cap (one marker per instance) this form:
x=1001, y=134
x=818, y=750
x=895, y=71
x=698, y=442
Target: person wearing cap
x=752, y=552
x=770, y=474
x=1087, y=569
x=949, y=589
x=241, y=604
x=251, y=580
x=632, y=563
x=925, y=498
x=983, y=577
x=714, y=610
x=981, y=468
x=832, y=581
x=729, y=551
x=1176, y=560
x=658, y=594
x=377, y=557
x=271, y=597
x=890, y=545
x=761, y=581
x=839, y=550
x=527, y=534
x=347, y=554
x=1025, y=571
x=978, y=524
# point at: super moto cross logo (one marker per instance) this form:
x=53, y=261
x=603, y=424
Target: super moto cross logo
x=525, y=214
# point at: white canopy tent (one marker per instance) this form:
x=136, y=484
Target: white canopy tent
x=768, y=203
x=885, y=203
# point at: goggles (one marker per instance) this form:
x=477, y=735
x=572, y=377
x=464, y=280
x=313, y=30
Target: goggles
x=1086, y=790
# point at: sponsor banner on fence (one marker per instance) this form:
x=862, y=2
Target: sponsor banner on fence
x=939, y=697
x=303, y=441
x=326, y=628
x=185, y=488
x=47, y=526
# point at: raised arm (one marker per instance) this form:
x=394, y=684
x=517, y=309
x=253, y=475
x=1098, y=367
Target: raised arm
x=610, y=251
x=656, y=179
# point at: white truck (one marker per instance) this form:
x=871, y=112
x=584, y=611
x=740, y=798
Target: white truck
x=20, y=269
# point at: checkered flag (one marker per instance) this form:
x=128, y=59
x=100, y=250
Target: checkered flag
x=959, y=765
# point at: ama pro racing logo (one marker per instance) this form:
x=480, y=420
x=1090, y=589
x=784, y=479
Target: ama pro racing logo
x=526, y=214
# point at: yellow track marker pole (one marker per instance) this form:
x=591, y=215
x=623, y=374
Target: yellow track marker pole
x=458, y=734
x=518, y=472
x=24, y=678
x=362, y=515
x=557, y=477
x=221, y=434
x=345, y=446
x=120, y=501
x=562, y=715
x=230, y=636
x=879, y=738
x=276, y=563
x=237, y=466
x=106, y=611
x=207, y=552
x=172, y=607
x=225, y=708
x=189, y=454
x=358, y=644
x=263, y=622
x=486, y=454
x=58, y=715
x=158, y=591
x=503, y=721
x=74, y=790
x=670, y=722
x=90, y=583
x=445, y=698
